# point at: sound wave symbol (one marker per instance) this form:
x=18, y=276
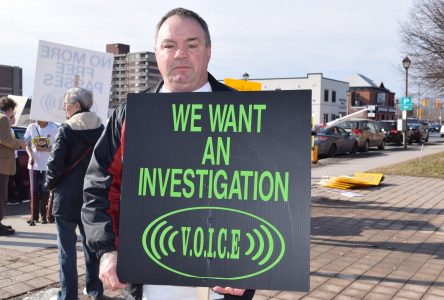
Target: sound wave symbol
x=261, y=245
x=161, y=240
x=165, y=241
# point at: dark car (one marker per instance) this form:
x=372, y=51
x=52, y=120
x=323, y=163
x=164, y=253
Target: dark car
x=15, y=191
x=419, y=130
x=434, y=127
x=392, y=134
x=335, y=140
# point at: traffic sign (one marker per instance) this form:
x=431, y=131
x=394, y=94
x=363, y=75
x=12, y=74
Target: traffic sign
x=406, y=103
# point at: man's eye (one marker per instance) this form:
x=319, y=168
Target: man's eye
x=168, y=46
x=192, y=46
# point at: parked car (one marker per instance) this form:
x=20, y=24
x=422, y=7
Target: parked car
x=367, y=132
x=392, y=134
x=434, y=127
x=419, y=129
x=22, y=169
x=335, y=140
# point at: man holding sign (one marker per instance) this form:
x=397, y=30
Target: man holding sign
x=183, y=51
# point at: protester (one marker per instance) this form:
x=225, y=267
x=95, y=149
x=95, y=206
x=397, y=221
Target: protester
x=183, y=51
x=16, y=178
x=40, y=136
x=7, y=160
x=67, y=166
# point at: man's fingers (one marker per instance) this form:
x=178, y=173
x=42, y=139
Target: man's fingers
x=228, y=290
x=107, y=272
x=115, y=283
x=111, y=281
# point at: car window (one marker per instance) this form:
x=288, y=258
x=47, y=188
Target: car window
x=387, y=125
x=366, y=126
x=350, y=125
x=376, y=126
x=342, y=131
x=19, y=134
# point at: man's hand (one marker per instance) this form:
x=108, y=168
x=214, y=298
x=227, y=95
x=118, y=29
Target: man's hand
x=22, y=144
x=107, y=272
x=31, y=160
x=228, y=290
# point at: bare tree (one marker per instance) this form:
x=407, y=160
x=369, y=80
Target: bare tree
x=423, y=38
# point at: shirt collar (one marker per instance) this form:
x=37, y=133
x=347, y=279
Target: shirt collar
x=205, y=88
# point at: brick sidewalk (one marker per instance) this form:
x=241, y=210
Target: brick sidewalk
x=387, y=244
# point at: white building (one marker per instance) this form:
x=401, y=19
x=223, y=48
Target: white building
x=329, y=96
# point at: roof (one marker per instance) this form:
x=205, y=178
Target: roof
x=359, y=80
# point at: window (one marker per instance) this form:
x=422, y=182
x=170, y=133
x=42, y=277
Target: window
x=326, y=95
x=325, y=118
x=356, y=98
x=333, y=96
x=333, y=117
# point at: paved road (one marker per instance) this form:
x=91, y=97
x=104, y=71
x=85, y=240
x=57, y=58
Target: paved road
x=360, y=162
x=386, y=244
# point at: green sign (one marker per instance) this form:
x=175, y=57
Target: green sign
x=406, y=103
x=216, y=190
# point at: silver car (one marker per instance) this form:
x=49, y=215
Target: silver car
x=367, y=132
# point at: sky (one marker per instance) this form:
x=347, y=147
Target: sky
x=266, y=39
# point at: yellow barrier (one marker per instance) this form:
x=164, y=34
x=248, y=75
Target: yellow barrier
x=314, y=155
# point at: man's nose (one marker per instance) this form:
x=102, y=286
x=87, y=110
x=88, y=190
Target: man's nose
x=181, y=53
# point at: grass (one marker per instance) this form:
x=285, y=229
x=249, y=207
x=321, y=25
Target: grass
x=428, y=166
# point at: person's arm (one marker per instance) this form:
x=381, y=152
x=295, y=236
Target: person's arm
x=6, y=138
x=57, y=160
x=101, y=206
x=30, y=154
x=27, y=136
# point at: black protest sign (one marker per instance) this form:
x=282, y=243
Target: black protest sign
x=216, y=190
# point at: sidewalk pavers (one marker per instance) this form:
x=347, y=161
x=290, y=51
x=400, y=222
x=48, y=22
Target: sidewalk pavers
x=387, y=244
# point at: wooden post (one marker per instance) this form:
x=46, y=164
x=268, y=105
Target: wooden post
x=202, y=293
x=76, y=80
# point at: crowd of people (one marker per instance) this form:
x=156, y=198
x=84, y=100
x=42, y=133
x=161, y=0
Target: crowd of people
x=81, y=148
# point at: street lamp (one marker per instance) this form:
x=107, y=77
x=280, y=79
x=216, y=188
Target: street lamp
x=406, y=63
x=245, y=76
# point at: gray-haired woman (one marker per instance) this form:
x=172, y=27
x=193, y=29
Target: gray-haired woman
x=67, y=165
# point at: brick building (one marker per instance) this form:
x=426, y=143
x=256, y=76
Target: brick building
x=10, y=81
x=363, y=92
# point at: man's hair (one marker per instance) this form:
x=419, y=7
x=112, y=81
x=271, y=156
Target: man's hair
x=81, y=95
x=7, y=103
x=185, y=13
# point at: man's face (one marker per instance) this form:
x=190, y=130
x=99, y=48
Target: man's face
x=181, y=54
x=9, y=113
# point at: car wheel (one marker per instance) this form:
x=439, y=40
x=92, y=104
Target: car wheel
x=366, y=145
x=354, y=148
x=382, y=146
x=332, y=150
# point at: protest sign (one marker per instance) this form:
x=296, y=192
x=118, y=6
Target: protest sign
x=57, y=68
x=216, y=190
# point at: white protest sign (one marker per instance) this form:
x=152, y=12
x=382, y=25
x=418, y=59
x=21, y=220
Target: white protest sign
x=21, y=102
x=57, y=67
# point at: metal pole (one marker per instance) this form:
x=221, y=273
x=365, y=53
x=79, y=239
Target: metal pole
x=404, y=115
